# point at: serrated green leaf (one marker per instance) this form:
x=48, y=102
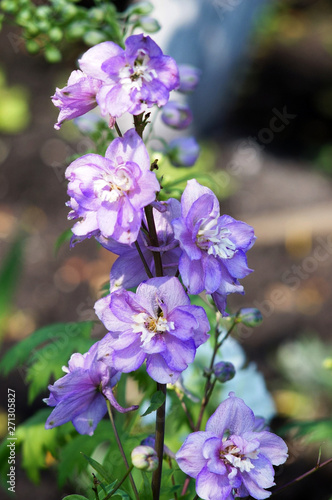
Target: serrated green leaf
x=23, y=350
x=47, y=362
x=71, y=460
x=35, y=441
x=64, y=237
x=98, y=468
x=157, y=399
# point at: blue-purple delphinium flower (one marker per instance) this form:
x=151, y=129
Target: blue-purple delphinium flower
x=134, y=78
x=128, y=271
x=177, y=115
x=157, y=324
x=213, y=247
x=183, y=151
x=80, y=395
x=189, y=77
x=232, y=458
x=108, y=194
x=77, y=97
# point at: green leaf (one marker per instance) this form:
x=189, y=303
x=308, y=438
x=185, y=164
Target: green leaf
x=319, y=430
x=98, y=468
x=71, y=460
x=63, y=238
x=157, y=399
x=75, y=497
x=35, y=441
x=146, y=490
x=24, y=350
x=47, y=362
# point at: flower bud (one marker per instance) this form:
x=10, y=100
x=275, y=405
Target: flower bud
x=149, y=24
x=93, y=37
x=176, y=115
x=224, y=371
x=140, y=9
x=144, y=458
x=183, y=151
x=189, y=77
x=250, y=316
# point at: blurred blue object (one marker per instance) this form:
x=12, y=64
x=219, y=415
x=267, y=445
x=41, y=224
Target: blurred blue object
x=214, y=36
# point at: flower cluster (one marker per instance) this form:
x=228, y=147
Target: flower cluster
x=168, y=250
x=118, y=80
x=233, y=457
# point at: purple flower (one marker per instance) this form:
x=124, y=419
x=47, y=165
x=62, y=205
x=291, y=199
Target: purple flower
x=80, y=395
x=108, y=194
x=177, y=115
x=231, y=458
x=157, y=324
x=189, y=77
x=77, y=98
x=134, y=78
x=183, y=151
x=213, y=247
x=128, y=270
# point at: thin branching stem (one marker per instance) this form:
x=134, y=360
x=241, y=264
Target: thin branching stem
x=117, y=437
x=306, y=474
x=111, y=493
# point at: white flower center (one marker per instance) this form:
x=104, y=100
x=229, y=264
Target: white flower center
x=215, y=239
x=112, y=185
x=133, y=77
x=232, y=454
x=149, y=326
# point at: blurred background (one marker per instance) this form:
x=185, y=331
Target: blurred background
x=263, y=115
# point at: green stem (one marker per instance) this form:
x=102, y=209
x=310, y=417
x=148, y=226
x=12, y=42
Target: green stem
x=159, y=445
x=119, y=484
x=209, y=386
x=121, y=449
x=146, y=267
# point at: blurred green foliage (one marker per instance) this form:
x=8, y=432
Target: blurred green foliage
x=10, y=272
x=50, y=27
x=14, y=109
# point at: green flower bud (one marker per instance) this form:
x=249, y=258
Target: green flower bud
x=144, y=458
x=43, y=12
x=250, y=316
x=55, y=34
x=31, y=29
x=32, y=46
x=93, y=37
x=23, y=17
x=149, y=24
x=68, y=11
x=224, y=371
x=52, y=54
x=139, y=9
x=44, y=26
x=96, y=14
x=76, y=30
x=9, y=6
